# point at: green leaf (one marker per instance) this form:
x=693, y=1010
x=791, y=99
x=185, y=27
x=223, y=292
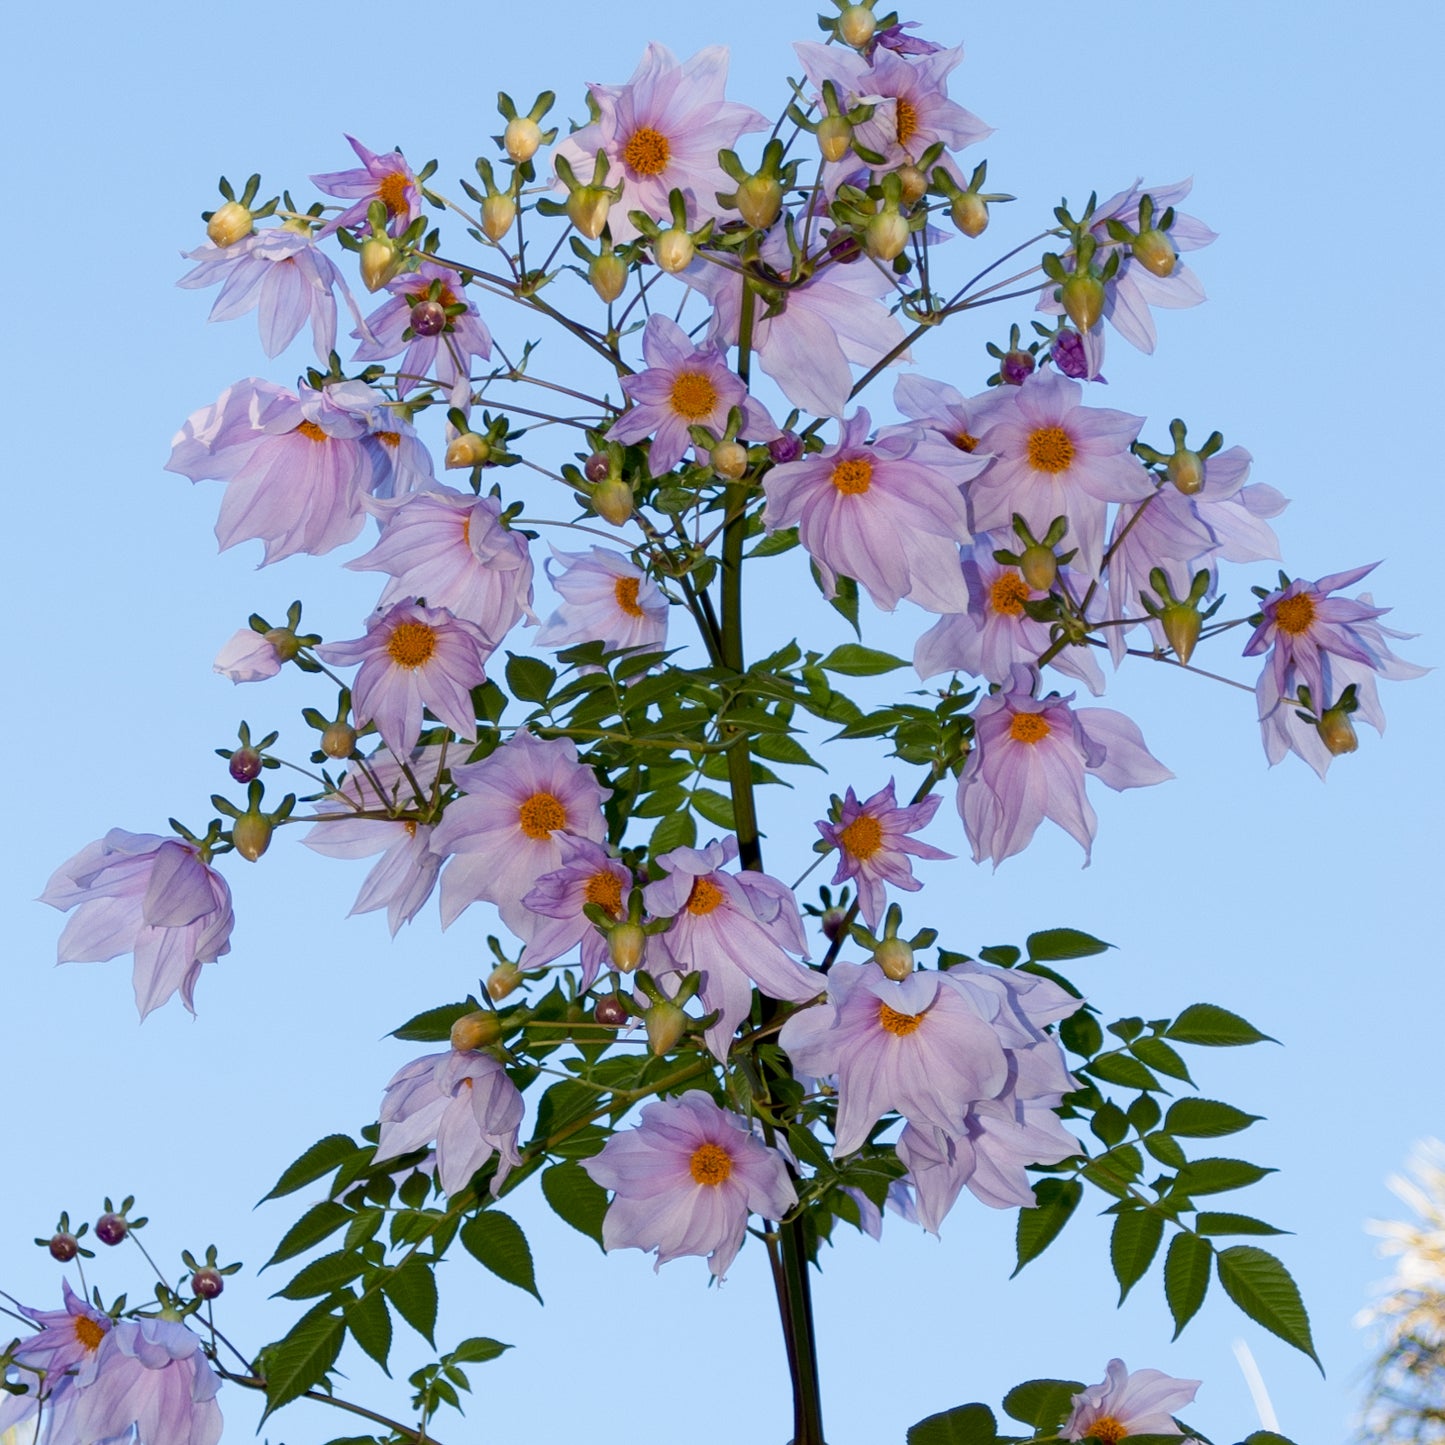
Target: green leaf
x=963, y=1425
x=1133, y=1245
x=1158, y=1055
x=1109, y=1124
x=1165, y=1149
x=1213, y=1222
x=313, y=1226
x=1218, y=1176
x=569, y=1189
x=1266, y=1437
x=434, y=1025
x=1186, y=1277
x=1144, y=1113
x=783, y=540
x=529, y=679
x=497, y=1240
x=563, y=1104
x=1115, y=1171
x=778, y=748
x=1003, y=955
x=851, y=660
x=477, y=1351
x=1121, y=1069
x=321, y=1158
x=412, y=1288
x=1044, y=1404
x=369, y=1321
x=1039, y=1227
x=717, y=808
x=1206, y=1119
x=1081, y=1034
x=1054, y=944
x=1262, y=1287
x=301, y=1359
x=323, y=1276
x=1214, y=1027
x=677, y=830
x=844, y=600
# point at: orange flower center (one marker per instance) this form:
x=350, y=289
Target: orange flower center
x=390, y=439
x=467, y=530
x=605, y=890
x=1109, y=1430
x=711, y=1164
x=905, y=115
x=410, y=825
x=392, y=193
x=1051, y=449
x=541, y=815
x=1295, y=614
x=1008, y=596
x=647, y=152
x=88, y=1331
x=965, y=441
x=863, y=837
x=893, y=1022
x=312, y=432
x=704, y=897
x=625, y=590
x=853, y=476
x=411, y=644
x=693, y=395
x=1028, y=727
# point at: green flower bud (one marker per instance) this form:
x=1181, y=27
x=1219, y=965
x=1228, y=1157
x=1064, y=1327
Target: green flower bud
x=469, y=449
x=1337, y=732
x=970, y=213
x=612, y=500
x=626, y=944
x=835, y=137
x=502, y=980
x=1040, y=567
x=1154, y=251
x=608, y=275
x=521, y=139
x=498, y=213
x=232, y=223
x=380, y=262
x=1181, y=624
x=894, y=957
x=674, y=250
x=759, y=199
x=1186, y=471
x=729, y=460
x=339, y=740
x=251, y=835
x=476, y=1030
x=886, y=236
x=1082, y=297
x=666, y=1024
x=856, y=26
x=587, y=209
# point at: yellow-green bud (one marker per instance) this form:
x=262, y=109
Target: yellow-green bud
x=608, y=275
x=380, y=262
x=476, y=1030
x=286, y=643
x=729, y=460
x=856, y=26
x=1181, y=624
x=521, y=138
x=469, y=449
x=666, y=1024
x=1154, y=251
x=1337, y=732
x=626, y=943
x=498, y=213
x=970, y=213
x=886, y=236
x=1039, y=566
x=912, y=184
x=587, y=209
x=502, y=980
x=1186, y=471
x=339, y=740
x=894, y=957
x=251, y=835
x=835, y=137
x=612, y=500
x=1082, y=297
x=760, y=198
x=232, y=223
x=674, y=250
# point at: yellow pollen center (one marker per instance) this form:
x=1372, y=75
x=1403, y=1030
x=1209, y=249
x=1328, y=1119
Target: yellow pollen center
x=863, y=837
x=410, y=825
x=853, y=476
x=411, y=644
x=647, y=152
x=1295, y=614
x=467, y=1084
x=467, y=530
x=711, y=1164
x=1008, y=596
x=893, y=1022
x=693, y=395
x=312, y=432
x=1109, y=1430
x=1028, y=727
x=1051, y=449
x=390, y=439
x=965, y=441
x=88, y=1332
x=625, y=590
x=704, y=897
x=392, y=193
x=541, y=815
x=605, y=890
x=906, y=117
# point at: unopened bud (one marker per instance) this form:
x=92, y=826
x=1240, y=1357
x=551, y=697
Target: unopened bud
x=468, y=449
x=1082, y=297
x=674, y=250
x=626, y=943
x=1039, y=566
x=729, y=460
x=587, y=209
x=245, y=764
x=207, y=1283
x=232, y=223
x=1186, y=471
x=608, y=275
x=894, y=957
x=612, y=500
x=285, y=641
x=611, y=1012
x=970, y=213
x=1181, y=624
x=476, y=1030
x=597, y=467
x=886, y=236
x=786, y=448
x=1337, y=732
x=111, y=1228
x=339, y=740
x=63, y=1247
x=380, y=262
x=912, y=184
x=1016, y=367
x=428, y=318
x=502, y=980
x=521, y=139
x=856, y=26
x=1067, y=353
x=498, y=213
x=759, y=200
x=666, y=1024
x=251, y=835
x=835, y=137
x=1154, y=251
x=832, y=923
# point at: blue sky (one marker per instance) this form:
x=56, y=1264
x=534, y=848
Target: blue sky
x=1306, y=907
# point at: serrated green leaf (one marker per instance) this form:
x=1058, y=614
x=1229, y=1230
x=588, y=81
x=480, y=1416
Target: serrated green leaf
x=1158, y=1055
x=783, y=540
x=1121, y=1069
x=563, y=1104
x=1002, y=955
x=678, y=830
x=477, y=1350
x=1186, y=1277
x=302, y=1357
x=1218, y=1176
x=412, y=1288
x=717, y=808
x=778, y=748
x=1115, y=1171
x=1262, y=1287
x=1266, y=1437
x=844, y=600
x=963, y=1425
x=496, y=1239
x=1206, y=1119
x=529, y=679
x=434, y=1025
x=1214, y=1027
x=315, y=1225
x=363, y=1226
x=369, y=1321
x=1143, y=1113
x=1044, y=1404
x=322, y=1276
x=851, y=660
x=1081, y=1034
x=1039, y=1227
x=1209, y=1221
x=574, y=1198
x=1109, y=1125
x=1053, y=945
x=321, y=1158
x=1165, y=1150
x=1133, y=1245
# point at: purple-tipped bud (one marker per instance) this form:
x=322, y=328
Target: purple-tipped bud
x=428, y=318
x=111, y=1228
x=232, y=223
x=611, y=1012
x=729, y=460
x=207, y=1283
x=596, y=467
x=63, y=1247
x=786, y=448
x=1082, y=297
x=476, y=1030
x=1016, y=367
x=339, y=740
x=245, y=764
x=832, y=923
x=1067, y=352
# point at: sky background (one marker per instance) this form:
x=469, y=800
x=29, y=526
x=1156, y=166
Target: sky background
x=1312, y=909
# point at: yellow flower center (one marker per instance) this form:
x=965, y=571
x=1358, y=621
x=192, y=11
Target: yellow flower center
x=1051, y=449
x=1028, y=727
x=1109, y=1430
x=647, y=152
x=905, y=115
x=411, y=644
x=711, y=1164
x=965, y=441
x=410, y=825
x=1295, y=614
x=467, y=530
x=88, y=1331
x=853, y=476
x=863, y=837
x=541, y=815
x=693, y=395
x=392, y=193
x=390, y=439
x=312, y=432
x=1008, y=596
x=704, y=897
x=893, y=1022
x=605, y=890
x=625, y=590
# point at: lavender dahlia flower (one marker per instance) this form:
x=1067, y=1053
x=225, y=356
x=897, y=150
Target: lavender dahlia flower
x=64, y=1341
x=606, y=599
x=385, y=178
x=589, y=874
x=686, y=1180
x=249, y=656
x=1124, y=1403
x=150, y=896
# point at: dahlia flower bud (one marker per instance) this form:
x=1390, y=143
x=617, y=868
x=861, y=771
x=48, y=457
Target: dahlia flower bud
x=521, y=139
x=1039, y=566
x=786, y=448
x=612, y=500
x=1337, y=732
x=469, y=449
x=207, y=1283
x=835, y=137
x=674, y=250
x=587, y=208
x=1186, y=471
x=608, y=275
x=970, y=213
x=1181, y=623
x=759, y=199
x=380, y=262
x=886, y=235
x=63, y=1246
x=666, y=1024
x=1082, y=296
x=244, y=765
x=856, y=26
x=832, y=922
x=428, y=318
x=339, y=740
x=502, y=980
x=1016, y=367
x=1068, y=354
x=611, y=1012
x=111, y=1228
x=912, y=184
x=251, y=834
x=476, y=1030
x=895, y=958
x=1154, y=251
x=597, y=467
x=729, y=460
x=231, y=223
x=498, y=213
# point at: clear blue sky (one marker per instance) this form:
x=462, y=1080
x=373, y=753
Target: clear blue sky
x=1311, y=134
